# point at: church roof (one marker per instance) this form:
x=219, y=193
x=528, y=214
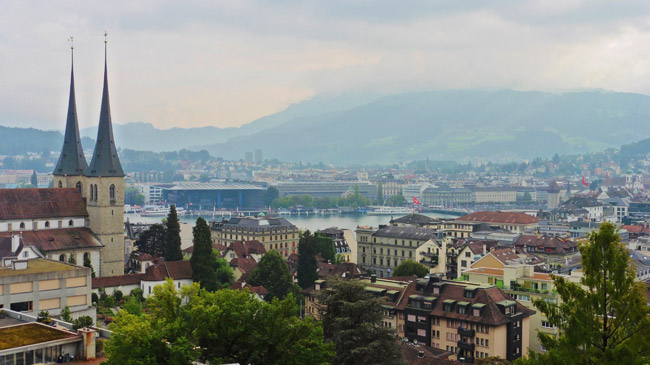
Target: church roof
x=17, y=204
x=55, y=239
x=105, y=162
x=72, y=160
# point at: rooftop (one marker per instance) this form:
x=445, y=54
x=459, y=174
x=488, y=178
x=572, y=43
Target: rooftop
x=499, y=217
x=413, y=233
x=30, y=334
x=16, y=204
x=215, y=186
x=38, y=266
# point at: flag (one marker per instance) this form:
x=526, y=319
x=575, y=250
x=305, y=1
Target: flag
x=416, y=201
x=584, y=182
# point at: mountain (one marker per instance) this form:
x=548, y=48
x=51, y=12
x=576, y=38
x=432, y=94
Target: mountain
x=455, y=125
x=145, y=137
x=19, y=141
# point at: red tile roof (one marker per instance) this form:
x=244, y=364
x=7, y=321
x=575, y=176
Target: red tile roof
x=556, y=244
x=239, y=285
x=177, y=270
x=16, y=204
x=245, y=265
x=499, y=217
x=55, y=239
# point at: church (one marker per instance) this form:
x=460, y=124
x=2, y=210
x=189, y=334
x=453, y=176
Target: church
x=83, y=214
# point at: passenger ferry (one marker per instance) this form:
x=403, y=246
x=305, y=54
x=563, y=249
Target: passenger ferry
x=383, y=210
x=161, y=212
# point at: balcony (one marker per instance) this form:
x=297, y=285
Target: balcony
x=465, y=332
x=466, y=346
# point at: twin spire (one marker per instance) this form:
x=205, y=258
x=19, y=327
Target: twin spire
x=105, y=162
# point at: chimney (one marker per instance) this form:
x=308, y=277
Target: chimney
x=373, y=278
x=15, y=242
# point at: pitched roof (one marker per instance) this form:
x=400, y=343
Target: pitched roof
x=409, y=233
x=245, y=265
x=414, y=219
x=477, y=246
x=71, y=160
x=17, y=204
x=499, y=217
x=177, y=270
x=559, y=245
x=504, y=255
x=55, y=239
x=105, y=161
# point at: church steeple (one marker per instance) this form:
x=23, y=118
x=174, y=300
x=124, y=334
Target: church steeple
x=105, y=162
x=72, y=161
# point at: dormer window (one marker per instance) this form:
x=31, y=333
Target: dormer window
x=47, y=224
x=22, y=225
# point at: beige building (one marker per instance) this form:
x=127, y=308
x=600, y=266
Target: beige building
x=381, y=250
x=274, y=233
x=510, y=221
x=39, y=284
x=495, y=195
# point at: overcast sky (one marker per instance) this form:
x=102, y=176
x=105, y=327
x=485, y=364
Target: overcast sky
x=225, y=63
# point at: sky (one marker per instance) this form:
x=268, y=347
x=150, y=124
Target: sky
x=226, y=63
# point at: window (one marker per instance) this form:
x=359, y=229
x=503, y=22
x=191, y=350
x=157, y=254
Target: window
x=462, y=309
x=86, y=257
x=70, y=223
x=22, y=225
x=463, y=263
x=524, y=298
x=47, y=224
x=546, y=324
x=78, y=186
x=60, y=184
x=25, y=254
x=468, y=254
x=62, y=258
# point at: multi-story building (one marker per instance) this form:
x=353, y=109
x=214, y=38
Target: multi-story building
x=344, y=242
x=38, y=284
x=153, y=193
x=511, y=221
x=503, y=195
x=274, y=233
x=381, y=250
x=554, y=250
x=471, y=252
x=522, y=283
x=330, y=189
x=472, y=321
x=447, y=196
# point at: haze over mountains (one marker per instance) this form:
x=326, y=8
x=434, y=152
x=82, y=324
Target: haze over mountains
x=455, y=125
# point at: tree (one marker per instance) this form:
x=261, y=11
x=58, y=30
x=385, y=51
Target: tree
x=273, y=274
x=380, y=193
x=173, y=237
x=201, y=260
x=397, y=200
x=118, y=295
x=222, y=270
x=410, y=267
x=43, y=317
x=89, y=265
x=133, y=305
x=72, y=258
x=226, y=326
x=132, y=196
x=152, y=241
x=34, y=179
x=270, y=194
x=325, y=247
x=604, y=319
x=82, y=322
x=307, y=264
x=352, y=322
x=65, y=314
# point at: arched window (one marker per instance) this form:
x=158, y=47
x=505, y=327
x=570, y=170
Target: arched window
x=79, y=186
x=60, y=184
x=92, y=193
x=62, y=258
x=22, y=225
x=111, y=191
x=47, y=224
x=86, y=257
x=70, y=223
x=96, y=196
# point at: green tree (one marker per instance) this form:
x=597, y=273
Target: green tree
x=89, y=265
x=132, y=196
x=82, y=322
x=410, y=267
x=225, y=276
x=325, y=247
x=118, y=295
x=72, y=258
x=380, y=193
x=270, y=194
x=65, y=314
x=604, y=319
x=352, y=322
x=202, y=260
x=396, y=200
x=34, y=179
x=226, y=326
x=307, y=266
x=273, y=274
x=43, y=317
x=152, y=241
x=173, y=237
x=133, y=305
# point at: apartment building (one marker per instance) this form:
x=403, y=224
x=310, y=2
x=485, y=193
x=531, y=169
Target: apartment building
x=471, y=321
x=511, y=221
x=274, y=233
x=381, y=250
x=39, y=284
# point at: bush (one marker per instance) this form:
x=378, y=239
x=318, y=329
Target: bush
x=137, y=292
x=108, y=302
x=117, y=294
x=43, y=317
x=82, y=322
x=65, y=314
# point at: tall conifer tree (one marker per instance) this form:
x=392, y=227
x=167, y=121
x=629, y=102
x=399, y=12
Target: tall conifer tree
x=173, y=237
x=202, y=261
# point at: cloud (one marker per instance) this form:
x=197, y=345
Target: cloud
x=201, y=63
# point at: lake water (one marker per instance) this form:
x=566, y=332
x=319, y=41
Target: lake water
x=310, y=222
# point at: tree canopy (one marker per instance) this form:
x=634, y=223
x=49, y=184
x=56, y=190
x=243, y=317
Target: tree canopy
x=202, y=260
x=273, y=273
x=173, y=237
x=604, y=319
x=270, y=194
x=410, y=267
x=226, y=326
x=307, y=265
x=152, y=241
x=352, y=322
x=132, y=196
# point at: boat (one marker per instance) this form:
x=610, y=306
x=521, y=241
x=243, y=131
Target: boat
x=161, y=212
x=383, y=210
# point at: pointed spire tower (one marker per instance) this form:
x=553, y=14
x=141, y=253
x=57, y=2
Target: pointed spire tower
x=105, y=162
x=71, y=161
x=105, y=192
